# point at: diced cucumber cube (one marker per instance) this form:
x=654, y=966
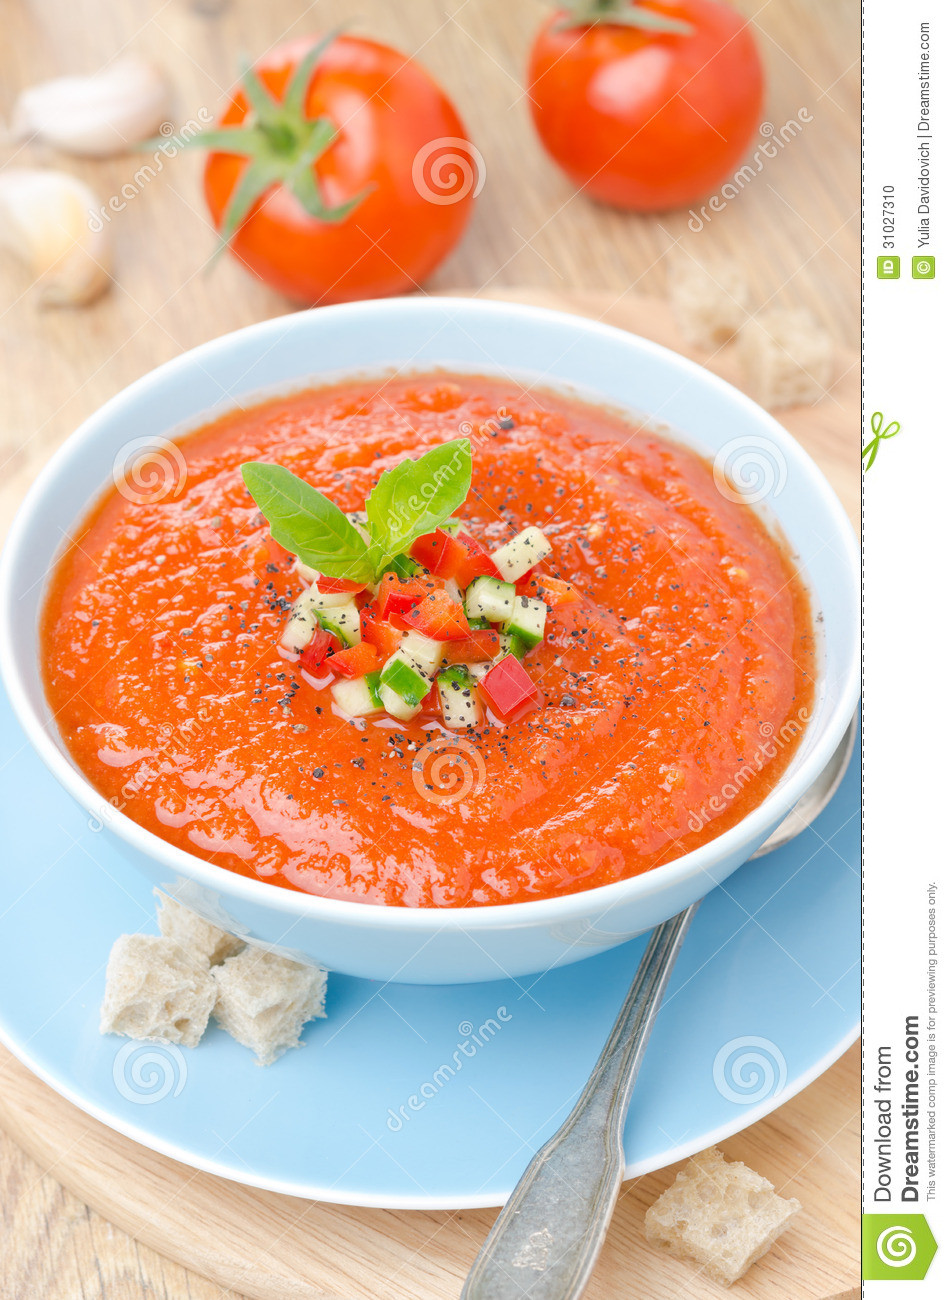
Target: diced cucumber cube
x=478, y=624
x=323, y=599
x=397, y=707
x=527, y=620
x=458, y=673
x=510, y=643
x=342, y=621
x=479, y=670
x=404, y=566
x=300, y=625
x=422, y=652
x=457, y=697
x=305, y=571
x=373, y=686
x=403, y=680
x=490, y=598
x=515, y=558
x=318, y=599
x=356, y=697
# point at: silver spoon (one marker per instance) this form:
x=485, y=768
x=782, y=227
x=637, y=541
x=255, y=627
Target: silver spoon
x=544, y=1244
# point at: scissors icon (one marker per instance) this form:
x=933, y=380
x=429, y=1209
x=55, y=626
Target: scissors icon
x=881, y=432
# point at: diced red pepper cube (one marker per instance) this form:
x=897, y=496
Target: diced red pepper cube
x=460, y=557
x=507, y=687
x=440, y=617
x=473, y=561
x=399, y=594
x=381, y=634
x=479, y=645
x=398, y=620
x=315, y=651
x=450, y=554
x=359, y=660
x=428, y=549
x=431, y=703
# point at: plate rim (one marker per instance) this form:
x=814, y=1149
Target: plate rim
x=746, y=1118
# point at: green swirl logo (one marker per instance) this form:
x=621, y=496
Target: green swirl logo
x=896, y=1247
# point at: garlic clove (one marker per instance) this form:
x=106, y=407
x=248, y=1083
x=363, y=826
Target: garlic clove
x=45, y=220
x=99, y=116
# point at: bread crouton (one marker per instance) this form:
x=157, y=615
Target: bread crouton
x=155, y=990
x=265, y=1000
x=787, y=358
x=709, y=305
x=719, y=1214
x=202, y=940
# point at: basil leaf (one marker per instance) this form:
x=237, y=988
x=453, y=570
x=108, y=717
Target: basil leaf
x=416, y=497
x=305, y=522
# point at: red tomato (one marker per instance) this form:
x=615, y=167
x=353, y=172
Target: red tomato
x=643, y=119
x=394, y=143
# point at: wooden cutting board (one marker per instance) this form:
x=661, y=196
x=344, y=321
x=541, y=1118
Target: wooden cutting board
x=271, y=1247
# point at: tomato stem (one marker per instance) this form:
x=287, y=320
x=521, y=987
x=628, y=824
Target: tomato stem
x=622, y=13
x=282, y=146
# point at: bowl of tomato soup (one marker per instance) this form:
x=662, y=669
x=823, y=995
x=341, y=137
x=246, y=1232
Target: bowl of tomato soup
x=695, y=665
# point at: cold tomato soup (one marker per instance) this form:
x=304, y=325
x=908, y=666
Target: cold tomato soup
x=670, y=696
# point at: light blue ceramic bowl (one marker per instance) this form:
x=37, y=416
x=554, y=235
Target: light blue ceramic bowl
x=433, y=946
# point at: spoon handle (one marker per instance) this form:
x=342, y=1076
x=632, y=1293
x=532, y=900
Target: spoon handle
x=547, y=1237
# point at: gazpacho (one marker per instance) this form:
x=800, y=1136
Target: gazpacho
x=434, y=641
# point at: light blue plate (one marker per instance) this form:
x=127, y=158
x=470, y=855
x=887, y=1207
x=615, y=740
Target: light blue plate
x=429, y=1097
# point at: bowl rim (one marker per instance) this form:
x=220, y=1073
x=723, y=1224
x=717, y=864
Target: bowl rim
x=368, y=915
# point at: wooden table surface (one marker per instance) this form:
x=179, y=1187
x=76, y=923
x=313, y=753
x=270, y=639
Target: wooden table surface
x=794, y=230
